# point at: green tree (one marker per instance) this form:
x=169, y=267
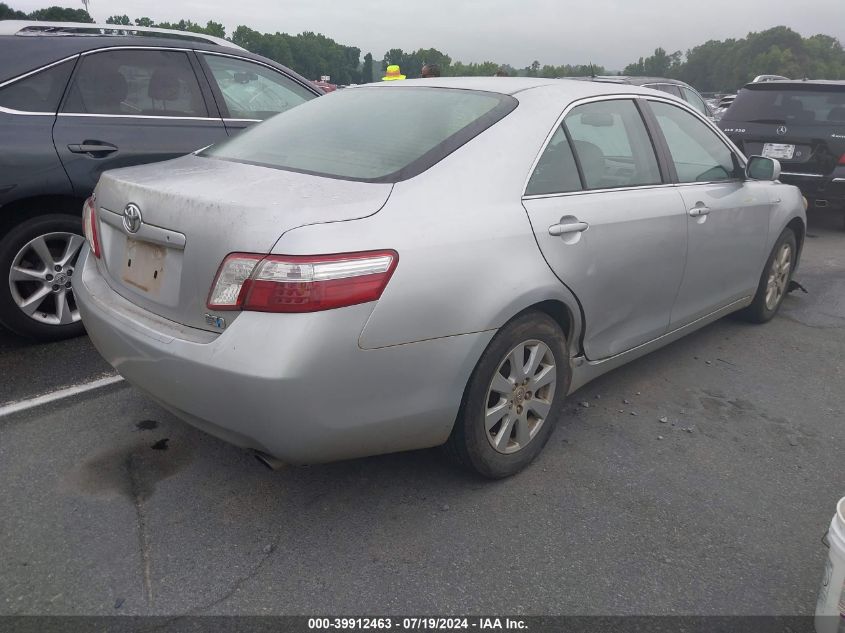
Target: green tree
x=146, y=22
x=367, y=69
x=8, y=13
x=61, y=14
x=119, y=19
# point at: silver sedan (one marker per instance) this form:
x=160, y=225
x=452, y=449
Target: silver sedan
x=394, y=267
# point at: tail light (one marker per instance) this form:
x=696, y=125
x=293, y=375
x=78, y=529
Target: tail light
x=294, y=283
x=89, y=225
x=842, y=159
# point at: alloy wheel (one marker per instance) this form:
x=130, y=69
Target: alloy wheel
x=776, y=285
x=41, y=278
x=520, y=396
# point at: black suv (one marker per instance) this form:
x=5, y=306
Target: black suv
x=77, y=100
x=802, y=124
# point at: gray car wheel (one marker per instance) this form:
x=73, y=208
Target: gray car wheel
x=38, y=260
x=774, y=282
x=513, y=398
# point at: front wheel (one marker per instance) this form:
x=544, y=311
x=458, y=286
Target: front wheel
x=37, y=267
x=774, y=282
x=513, y=398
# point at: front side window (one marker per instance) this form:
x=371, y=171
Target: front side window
x=373, y=134
x=697, y=151
x=40, y=92
x=612, y=145
x=253, y=91
x=556, y=171
x=136, y=82
x=695, y=101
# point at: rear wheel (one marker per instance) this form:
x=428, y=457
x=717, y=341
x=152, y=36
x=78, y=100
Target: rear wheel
x=513, y=398
x=774, y=282
x=37, y=268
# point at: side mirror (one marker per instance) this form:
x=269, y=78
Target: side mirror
x=761, y=168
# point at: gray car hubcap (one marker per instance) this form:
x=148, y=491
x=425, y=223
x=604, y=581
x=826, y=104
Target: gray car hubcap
x=778, y=276
x=520, y=396
x=41, y=278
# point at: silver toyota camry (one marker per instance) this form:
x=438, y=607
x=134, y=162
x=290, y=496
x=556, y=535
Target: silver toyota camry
x=400, y=266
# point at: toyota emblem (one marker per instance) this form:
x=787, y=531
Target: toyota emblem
x=132, y=218
x=782, y=130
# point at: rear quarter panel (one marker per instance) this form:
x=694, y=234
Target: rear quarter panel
x=468, y=259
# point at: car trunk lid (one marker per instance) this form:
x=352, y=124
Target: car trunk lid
x=184, y=216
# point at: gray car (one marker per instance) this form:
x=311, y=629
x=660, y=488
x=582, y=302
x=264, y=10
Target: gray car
x=452, y=260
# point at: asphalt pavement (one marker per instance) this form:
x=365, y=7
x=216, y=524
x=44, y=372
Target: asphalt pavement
x=697, y=480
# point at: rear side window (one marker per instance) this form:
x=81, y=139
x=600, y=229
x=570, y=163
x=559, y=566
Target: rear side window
x=253, y=91
x=556, y=171
x=136, y=82
x=40, y=92
x=612, y=145
x=698, y=153
x=672, y=89
x=377, y=134
x=795, y=106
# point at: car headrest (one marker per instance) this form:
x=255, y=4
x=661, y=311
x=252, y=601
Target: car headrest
x=104, y=91
x=164, y=85
x=836, y=114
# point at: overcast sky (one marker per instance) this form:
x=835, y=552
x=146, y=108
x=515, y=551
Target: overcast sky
x=611, y=33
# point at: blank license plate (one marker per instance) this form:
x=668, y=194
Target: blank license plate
x=778, y=150
x=143, y=265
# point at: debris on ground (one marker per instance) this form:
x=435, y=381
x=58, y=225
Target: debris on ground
x=584, y=404
x=663, y=420
x=659, y=437
x=634, y=413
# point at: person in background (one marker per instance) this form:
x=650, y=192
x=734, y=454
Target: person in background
x=430, y=70
x=393, y=73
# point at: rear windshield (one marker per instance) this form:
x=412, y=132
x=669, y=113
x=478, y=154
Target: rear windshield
x=382, y=134
x=798, y=106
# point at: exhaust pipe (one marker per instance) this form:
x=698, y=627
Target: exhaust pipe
x=821, y=204
x=269, y=461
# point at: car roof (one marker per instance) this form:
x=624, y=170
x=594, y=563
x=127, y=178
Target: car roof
x=22, y=54
x=566, y=88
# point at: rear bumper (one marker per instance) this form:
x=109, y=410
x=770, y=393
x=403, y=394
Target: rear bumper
x=817, y=186
x=296, y=386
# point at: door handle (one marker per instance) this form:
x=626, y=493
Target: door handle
x=697, y=212
x=568, y=227
x=92, y=148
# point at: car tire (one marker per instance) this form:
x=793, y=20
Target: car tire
x=497, y=448
x=40, y=304
x=774, y=282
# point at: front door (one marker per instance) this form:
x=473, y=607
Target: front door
x=728, y=217
x=609, y=227
x=131, y=106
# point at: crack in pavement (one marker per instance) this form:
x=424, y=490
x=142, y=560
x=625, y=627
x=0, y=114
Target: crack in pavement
x=136, y=491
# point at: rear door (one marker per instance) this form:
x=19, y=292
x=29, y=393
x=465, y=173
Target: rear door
x=129, y=106
x=248, y=91
x=728, y=217
x=609, y=227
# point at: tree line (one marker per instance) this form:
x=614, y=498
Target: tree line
x=724, y=66
x=715, y=66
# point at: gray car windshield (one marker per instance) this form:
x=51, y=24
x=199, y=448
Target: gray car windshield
x=371, y=134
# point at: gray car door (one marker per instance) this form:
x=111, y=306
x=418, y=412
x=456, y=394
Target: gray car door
x=608, y=225
x=728, y=217
x=129, y=106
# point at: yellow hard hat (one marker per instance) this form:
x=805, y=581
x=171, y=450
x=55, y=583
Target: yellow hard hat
x=393, y=73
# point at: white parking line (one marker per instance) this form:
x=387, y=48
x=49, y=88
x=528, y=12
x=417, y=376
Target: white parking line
x=60, y=394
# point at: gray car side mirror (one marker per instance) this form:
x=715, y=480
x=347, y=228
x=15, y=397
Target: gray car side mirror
x=762, y=168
